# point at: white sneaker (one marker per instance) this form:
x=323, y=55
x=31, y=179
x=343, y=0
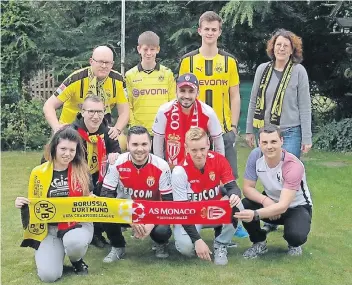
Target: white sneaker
x=161, y=250
x=294, y=250
x=220, y=254
x=255, y=250
x=115, y=253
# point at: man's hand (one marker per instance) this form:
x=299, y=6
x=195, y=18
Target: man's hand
x=268, y=202
x=245, y=215
x=112, y=157
x=273, y=218
x=139, y=230
x=114, y=133
x=58, y=127
x=234, y=129
x=21, y=201
x=234, y=200
x=148, y=229
x=202, y=250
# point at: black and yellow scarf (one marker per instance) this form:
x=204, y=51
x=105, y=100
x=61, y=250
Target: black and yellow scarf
x=96, y=88
x=276, y=107
x=95, y=145
x=38, y=187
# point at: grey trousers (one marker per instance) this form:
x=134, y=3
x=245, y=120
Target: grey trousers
x=183, y=242
x=230, y=151
x=49, y=257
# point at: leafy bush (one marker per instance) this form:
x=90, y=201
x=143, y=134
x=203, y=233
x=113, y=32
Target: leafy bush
x=23, y=126
x=335, y=136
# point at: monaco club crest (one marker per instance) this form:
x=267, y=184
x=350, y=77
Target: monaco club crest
x=150, y=181
x=173, y=146
x=212, y=175
x=212, y=212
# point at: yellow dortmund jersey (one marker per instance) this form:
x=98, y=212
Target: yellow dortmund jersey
x=147, y=91
x=74, y=89
x=216, y=76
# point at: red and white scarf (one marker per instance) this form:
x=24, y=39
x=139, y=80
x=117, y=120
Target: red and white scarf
x=176, y=129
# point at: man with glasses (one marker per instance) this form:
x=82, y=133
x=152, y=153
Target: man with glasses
x=97, y=79
x=93, y=129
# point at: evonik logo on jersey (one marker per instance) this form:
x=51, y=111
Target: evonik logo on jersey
x=213, y=82
x=154, y=91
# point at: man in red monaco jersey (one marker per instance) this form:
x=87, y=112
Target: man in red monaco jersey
x=199, y=177
x=138, y=175
x=176, y=117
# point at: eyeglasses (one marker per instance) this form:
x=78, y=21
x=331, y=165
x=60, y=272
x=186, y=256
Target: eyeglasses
x=284, y=46
x=91, y=113
x=101, y=63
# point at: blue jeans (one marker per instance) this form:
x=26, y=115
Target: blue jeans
x=292, y=138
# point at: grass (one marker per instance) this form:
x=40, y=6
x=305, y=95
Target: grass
x=327, y=256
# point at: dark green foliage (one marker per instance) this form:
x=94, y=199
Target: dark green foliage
x=335, y=136
x=61, y=35
x=23, y=126
x=19, y=54
x=324, y=53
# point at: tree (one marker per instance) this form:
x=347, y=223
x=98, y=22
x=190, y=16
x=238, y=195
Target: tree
x=324, y=53
x=19, y=56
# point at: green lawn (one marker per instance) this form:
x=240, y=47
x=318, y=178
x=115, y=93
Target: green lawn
x=327, y=256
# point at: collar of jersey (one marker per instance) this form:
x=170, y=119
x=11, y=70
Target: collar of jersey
x=140, y=68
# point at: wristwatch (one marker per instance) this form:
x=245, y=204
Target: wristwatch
x=256, y=216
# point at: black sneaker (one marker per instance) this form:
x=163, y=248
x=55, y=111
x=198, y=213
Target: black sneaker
x=99, y=241
x=79, y=267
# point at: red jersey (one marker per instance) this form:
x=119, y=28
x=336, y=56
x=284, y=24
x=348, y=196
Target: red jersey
x=146, y=183
x=192, y=184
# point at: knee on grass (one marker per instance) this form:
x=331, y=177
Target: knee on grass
x=185, y=248
x=49, y=275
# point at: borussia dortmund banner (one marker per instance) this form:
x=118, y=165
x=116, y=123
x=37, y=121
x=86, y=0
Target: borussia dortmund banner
x=110, y=210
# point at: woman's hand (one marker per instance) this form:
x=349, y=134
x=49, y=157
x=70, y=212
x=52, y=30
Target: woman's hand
x=21, y=201
x=306, y=147
x=250, y=139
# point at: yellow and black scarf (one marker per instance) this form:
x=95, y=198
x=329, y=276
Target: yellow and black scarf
x=95, y=144
x=96, y=88
x=38, y=187
x=276, y=107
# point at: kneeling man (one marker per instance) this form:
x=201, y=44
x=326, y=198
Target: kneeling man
x=199, y=177
x=140, y=175
x=286, y=200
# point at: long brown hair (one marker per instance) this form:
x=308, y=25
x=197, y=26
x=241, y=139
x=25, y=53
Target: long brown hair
x=80, y=171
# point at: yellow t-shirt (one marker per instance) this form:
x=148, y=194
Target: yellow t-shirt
x=147, y=92
x=74, y=89
x=215, y=76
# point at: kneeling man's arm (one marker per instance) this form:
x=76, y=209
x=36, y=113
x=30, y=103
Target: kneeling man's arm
x=286, y=198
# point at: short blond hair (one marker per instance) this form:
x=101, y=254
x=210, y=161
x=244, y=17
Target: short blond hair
x=195, y=134
x=210, y=16
x=149, y=38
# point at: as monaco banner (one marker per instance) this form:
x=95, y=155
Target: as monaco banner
x=110, y=210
